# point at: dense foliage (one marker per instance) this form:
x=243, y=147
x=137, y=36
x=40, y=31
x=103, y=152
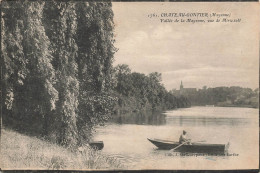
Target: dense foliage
x=57, y=67
x=137, y=92
x=27, y=64
x=95, y=56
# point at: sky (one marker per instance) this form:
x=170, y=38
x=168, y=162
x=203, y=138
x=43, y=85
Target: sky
x=208, y=54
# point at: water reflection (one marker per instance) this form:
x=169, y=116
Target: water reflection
x=140, y=118
x=160, y=118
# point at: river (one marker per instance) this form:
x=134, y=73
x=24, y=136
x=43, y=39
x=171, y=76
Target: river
x=125, y=138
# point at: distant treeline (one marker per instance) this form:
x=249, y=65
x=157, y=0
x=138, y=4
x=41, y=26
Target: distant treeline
x=224, y=96
x=56, y=61
x=140, y=92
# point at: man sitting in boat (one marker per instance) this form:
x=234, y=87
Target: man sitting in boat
x=183, y=138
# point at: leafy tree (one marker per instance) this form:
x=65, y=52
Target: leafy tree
x=62, y=27
x=13, y=62
x=95, y=56
x=124, y=82
x=29, y=73
x=39, y=86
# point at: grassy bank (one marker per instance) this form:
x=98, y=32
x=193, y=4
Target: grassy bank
x=24, y=152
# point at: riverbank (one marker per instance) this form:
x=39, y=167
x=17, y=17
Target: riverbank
x=19, y=151
x=229, y=105
x=256, y=106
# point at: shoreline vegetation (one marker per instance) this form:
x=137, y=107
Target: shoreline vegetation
x=137, y=92
x=19, y=151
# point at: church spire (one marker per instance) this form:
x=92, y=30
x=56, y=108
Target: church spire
x=181, y=86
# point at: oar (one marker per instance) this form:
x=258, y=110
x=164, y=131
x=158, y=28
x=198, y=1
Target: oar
x=183, y=144
x=179, y=145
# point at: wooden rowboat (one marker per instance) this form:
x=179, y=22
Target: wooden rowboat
x=190, y=148
x=97, y=145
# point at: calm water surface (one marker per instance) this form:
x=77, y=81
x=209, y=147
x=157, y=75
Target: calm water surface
x=125, y=138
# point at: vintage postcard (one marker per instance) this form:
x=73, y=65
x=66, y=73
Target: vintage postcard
x=129, y=85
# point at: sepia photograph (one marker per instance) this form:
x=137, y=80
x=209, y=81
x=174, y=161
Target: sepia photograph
x=107, y=85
